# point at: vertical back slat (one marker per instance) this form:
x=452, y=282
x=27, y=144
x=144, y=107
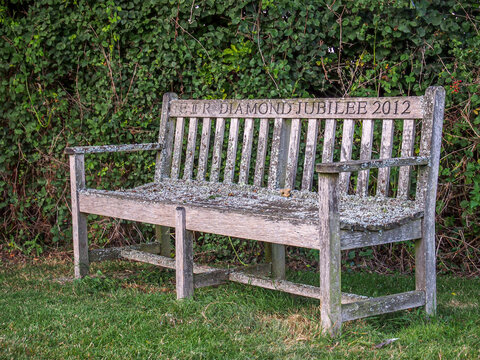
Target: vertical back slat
x=310, y=150
x=261, y=152
x=165, y=136
x=217, y=149
x=177, y=148
x=408, y=140
x=246, y=152
x=204, y=145
x=191, y=144
x=346, y=153
x=231, y=151
x=292, y=157
x=386, y=146
x=365, y=154
x=275, y=154
x=329, y=140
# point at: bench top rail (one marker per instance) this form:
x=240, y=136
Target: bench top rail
x=408, y=107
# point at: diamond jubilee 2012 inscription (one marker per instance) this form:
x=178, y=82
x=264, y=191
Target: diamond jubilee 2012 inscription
x=368, y=108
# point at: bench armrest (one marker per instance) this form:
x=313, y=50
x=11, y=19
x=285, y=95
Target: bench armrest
x=357, y=165
x=111, y=148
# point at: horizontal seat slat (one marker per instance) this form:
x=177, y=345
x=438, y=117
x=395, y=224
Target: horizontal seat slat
x=405, y=107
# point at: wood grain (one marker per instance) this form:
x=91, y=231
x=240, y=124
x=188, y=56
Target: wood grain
x=112, y=148
x=365, y=154
x=329, y=140
x=231, y=151
x=246, y=152
x=261, y=153
x=79, y=219
x=405, y=107
x=346, y=154
x=183, y=256
x=408, y=140
x=177, y=148
x=382, y=305
x=204, y=147
x=217, y=150
x=386, y=147
x=162, y=234
x=292, y=155
x=310, y=153
x=191, y=147
x=165, y=137
x=362, y=165
x=430, y=144
x=113, y=253
x=329, y=260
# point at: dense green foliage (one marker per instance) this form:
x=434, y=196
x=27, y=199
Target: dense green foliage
x=129, y=311
x=93, y=72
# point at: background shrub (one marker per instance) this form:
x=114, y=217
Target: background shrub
x=94, y=72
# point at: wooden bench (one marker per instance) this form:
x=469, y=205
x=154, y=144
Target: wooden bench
x=264, y=190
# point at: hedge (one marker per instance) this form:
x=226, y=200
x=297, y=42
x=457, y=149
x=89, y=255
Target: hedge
x=94, y=72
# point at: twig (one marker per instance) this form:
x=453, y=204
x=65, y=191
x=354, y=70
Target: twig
x=193, y=37
x=257, y=24
x=110, y=71
x=191, y=12
x=130, y=86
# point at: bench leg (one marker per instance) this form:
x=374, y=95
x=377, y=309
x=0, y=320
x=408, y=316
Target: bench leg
x=329, y=246
x=162, y=234
x=425, y=266
x=278, y=261
x=79, y=220
x=183, y=256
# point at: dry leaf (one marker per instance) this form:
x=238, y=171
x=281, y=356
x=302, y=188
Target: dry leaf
x=285, y=192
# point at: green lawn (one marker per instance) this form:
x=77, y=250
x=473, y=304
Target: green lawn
x=129, y=311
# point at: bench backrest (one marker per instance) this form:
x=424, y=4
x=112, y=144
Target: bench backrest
x=276, y=143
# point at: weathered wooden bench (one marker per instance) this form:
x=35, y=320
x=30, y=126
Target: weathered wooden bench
x=217, y=189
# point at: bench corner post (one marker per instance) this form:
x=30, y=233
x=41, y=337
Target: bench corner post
x=183, y=256
x=330, y=260
x=79, y=220
x=425, y=252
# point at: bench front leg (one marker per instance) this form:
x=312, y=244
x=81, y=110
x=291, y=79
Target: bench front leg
x=183, y=256
x=79, y=220
x=329, y=246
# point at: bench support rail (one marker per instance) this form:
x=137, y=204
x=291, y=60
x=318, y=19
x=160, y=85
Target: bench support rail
x=382, y=305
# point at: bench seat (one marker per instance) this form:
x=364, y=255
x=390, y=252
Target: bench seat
x=294, y=211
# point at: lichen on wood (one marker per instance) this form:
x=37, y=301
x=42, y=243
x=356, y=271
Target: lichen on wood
x=356, y=213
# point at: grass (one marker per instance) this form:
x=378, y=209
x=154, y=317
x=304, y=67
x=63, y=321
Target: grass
x=128, y=310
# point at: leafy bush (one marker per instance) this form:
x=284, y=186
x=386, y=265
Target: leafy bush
x=94, y=72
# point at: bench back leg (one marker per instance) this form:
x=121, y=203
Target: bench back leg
x=329, y=261
x=183, y=256
x=430, y=144
x=162, y=234
x=79, y=220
